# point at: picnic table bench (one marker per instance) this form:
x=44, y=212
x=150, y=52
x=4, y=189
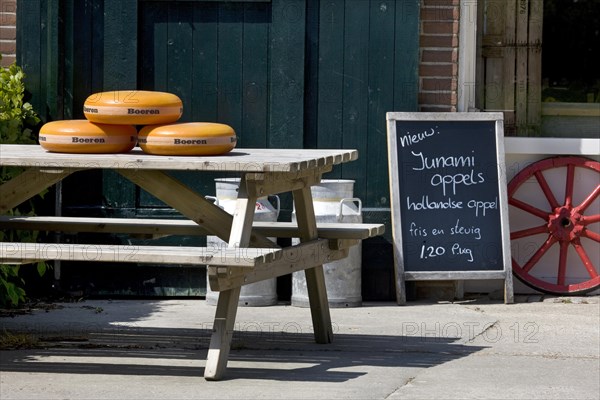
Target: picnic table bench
x=249, y=256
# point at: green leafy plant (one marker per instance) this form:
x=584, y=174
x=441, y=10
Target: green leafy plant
x=17, y=119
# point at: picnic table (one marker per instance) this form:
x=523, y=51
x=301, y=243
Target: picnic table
x=249, y=256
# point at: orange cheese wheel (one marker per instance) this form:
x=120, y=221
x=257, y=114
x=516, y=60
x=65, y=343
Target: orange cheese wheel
x=83, y=136
x=133, y=107
x=187, y=139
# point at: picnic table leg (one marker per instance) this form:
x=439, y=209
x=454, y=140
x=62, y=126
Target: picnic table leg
x=220, y=341
x=227, y=303
x=315, y=278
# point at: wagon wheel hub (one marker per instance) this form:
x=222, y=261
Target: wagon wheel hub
x=565, y=224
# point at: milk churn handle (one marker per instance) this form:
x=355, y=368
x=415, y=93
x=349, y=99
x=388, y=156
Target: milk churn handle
x=340, y=215
x=277, y=204
x=214, y=199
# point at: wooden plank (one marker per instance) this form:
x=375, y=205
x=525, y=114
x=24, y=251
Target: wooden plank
x=406, y=56
x=229, y=55
x=356, y=91
x=438, y=276
x=311, y=84
x=216, y=1
x=238, y=257
x=509, y=61
x=151, y=226
x=255, y=74
x=331, y=76
x=120, y=44
x=220, y=341
x=242, y=160
x=26, y=185
x=382, y=22
x=493, y=51
x=315, y=278
x=204, y=63
x=522, y=17
x=534, y=68
x=153, y=35
x=286, y=91
x=29, y=49
x=571, y=109
x=179, y=53
x=69, y=57
x=97, y=55
x=55, y=62
x=297, y=258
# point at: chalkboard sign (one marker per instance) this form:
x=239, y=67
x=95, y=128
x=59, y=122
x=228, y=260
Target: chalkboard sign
x=448, y=191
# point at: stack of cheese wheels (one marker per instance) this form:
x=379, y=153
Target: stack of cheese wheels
x=83, y=136
x=133, y=107
x=111, y=117
x=190, y=139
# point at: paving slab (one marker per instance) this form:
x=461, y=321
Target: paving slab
x=156, y=349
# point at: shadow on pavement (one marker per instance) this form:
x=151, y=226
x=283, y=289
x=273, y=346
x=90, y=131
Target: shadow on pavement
x=255, y=355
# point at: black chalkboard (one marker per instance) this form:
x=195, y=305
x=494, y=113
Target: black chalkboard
x=448, y=194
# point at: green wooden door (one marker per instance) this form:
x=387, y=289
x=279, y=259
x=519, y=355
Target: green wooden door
x=282, y=73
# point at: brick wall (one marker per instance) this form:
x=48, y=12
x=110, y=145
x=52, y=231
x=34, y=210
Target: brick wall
x=438, y=68
x=8, y=31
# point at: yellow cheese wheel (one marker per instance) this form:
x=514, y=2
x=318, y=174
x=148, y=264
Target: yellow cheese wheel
x=188, y=139
x=83, y=136
x=133, y=107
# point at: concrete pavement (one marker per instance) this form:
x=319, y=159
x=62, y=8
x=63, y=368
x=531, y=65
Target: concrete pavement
x=155, y=349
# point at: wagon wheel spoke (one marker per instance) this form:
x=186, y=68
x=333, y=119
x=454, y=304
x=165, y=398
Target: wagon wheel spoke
x=562, y=263
x=528, y=208
x=546, y=189
x=529, y=232
x=569, y=185
x=590, y=219
x=591, y=235
x=539, y=253
x=587, y=263
x=589, y=200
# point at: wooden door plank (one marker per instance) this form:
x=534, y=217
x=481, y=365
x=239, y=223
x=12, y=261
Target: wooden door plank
x=153, y=33
x=229, y=79
x=120, y=44
x=286, y=92
x=204, y=63
x=382, y=21
x=406, y=55
x=331, y=76
x=355, y=90
x=30, y=46
x=255, y=74
x=179, y=53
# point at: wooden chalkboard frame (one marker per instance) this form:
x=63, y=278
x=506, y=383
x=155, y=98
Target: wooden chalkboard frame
x=401, y=275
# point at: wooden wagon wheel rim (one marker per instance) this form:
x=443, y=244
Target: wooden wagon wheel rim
x=564, y=223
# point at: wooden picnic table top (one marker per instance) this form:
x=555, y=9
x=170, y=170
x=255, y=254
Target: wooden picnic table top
x=238, y=160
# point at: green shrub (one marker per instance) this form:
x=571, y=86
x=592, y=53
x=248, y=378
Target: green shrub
x=17, y=119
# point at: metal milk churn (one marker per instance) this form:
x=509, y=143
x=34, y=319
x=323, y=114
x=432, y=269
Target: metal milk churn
x=263, y=293
x=333, y=201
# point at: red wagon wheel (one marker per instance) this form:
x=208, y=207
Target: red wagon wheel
x=558, y=192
